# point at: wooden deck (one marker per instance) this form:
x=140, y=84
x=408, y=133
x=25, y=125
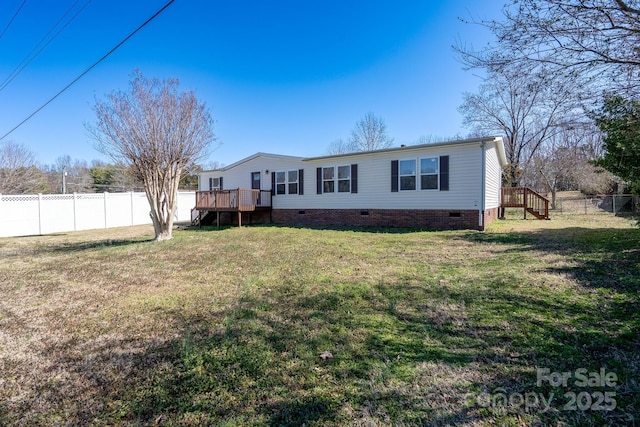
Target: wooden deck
x=235, y=200
x=526, y=198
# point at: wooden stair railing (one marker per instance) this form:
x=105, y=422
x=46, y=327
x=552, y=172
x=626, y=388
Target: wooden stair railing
x=526, y=198
x=195, y=216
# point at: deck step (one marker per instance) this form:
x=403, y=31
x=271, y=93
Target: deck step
x=524, y=197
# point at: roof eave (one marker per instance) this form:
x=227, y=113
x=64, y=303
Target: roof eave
x=408, y=147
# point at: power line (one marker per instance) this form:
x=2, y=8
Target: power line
x=144, y=24
x=28, y=58
x=12, y=19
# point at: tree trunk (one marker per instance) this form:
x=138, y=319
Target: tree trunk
x=514, y=176
x=163, y=235
x=161, y=212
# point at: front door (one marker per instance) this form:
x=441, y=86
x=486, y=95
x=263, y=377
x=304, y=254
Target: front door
x=255, y=180
x=255, y=183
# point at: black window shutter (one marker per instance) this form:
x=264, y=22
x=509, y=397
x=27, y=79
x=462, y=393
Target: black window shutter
x=444, y=173
x=210, y=184
x=354, y=178
x=221, y=183
x=301, y=181
x=319, y=181
x=394, y=176
x=273, y=183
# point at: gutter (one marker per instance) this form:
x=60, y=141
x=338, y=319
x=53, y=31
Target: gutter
x=482, y=187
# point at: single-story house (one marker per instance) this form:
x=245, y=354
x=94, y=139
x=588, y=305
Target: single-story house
x=445, y=185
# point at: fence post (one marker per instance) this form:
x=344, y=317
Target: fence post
x=105, y=209
x=613, y=202
x=39, y=213
x=131, y=199
x=75, y=227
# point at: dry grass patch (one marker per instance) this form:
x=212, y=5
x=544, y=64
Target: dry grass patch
x=227, y=326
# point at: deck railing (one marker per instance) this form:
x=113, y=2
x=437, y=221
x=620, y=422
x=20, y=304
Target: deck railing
x=523, y=197
x=239, y=199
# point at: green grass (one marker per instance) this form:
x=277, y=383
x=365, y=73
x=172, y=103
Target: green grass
x=227, y=327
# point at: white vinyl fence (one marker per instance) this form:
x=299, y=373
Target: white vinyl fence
x=54, y=213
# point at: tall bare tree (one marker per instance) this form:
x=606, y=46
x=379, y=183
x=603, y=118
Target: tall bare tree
x=370, y=133
x=565, y=162
x=524, y=106
x=19, y=173
x=156, y=131
x=589, y=39
x=339, y=146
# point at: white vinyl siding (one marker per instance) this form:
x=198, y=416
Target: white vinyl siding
x=241, y=176
x=493, y=177
x=374, y=178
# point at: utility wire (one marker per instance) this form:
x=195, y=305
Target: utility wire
x=144, y=24
x=12, y=19
x=28, y=59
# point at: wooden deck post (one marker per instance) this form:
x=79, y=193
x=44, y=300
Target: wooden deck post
x=239, y=219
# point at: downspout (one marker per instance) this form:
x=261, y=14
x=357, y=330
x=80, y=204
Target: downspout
x=482, y=188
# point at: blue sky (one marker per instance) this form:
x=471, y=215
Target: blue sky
x=285, y=77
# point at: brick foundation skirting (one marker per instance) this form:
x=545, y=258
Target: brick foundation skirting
x=430, y=219
x=489, y=216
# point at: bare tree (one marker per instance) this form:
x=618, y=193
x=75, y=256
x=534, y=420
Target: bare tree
x=77, y=176
x=19, y=173
x=339, y=146
x=156, y=131
x=432, y=139
x=370, y=133
x=596, y=40
x=524, y=106
x=554, y=164
x=565, y=162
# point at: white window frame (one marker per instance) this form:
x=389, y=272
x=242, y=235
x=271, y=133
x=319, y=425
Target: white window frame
x=332, y=180
x=335, y=179
x=290, y=182
x=287, y=182
x=414, y=175
x=283, y=182
x=436, y=174
x=338, y=179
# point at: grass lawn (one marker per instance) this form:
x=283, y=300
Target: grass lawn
x=283, y=326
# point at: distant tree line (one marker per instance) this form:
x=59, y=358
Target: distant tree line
x=21, y=174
